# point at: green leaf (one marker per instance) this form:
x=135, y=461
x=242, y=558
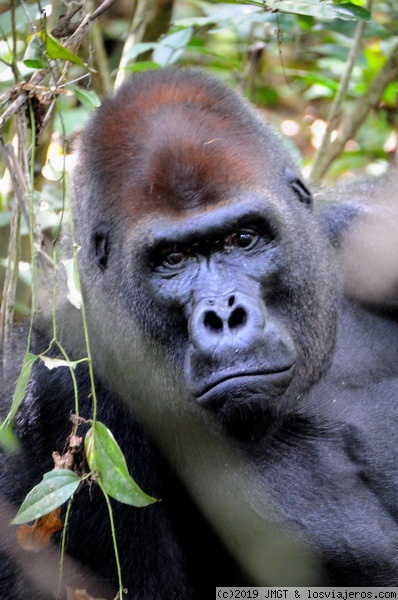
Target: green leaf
x=43, y=46
x=20, y=387
x=55, y=488
x=106, y=458
x=8, y=440
x=324, y=9
x=55, y=50
x=319, y=79
x=74, y=295
x=34, y=57
x=358, y=12
x=54, y=363
x=171, y=46
x=51, y=173
x=86, y=97
x=138, y=49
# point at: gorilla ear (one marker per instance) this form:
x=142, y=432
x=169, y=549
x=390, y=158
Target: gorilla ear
x=299, y=188
x=101, y=245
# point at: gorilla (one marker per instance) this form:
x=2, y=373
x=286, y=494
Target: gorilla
x=249, y=388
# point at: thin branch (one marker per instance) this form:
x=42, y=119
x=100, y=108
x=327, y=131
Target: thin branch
x=13, y=109
x=335, y=109
x=150, y=21
x=135, y=35
x=17, y=178
x=351, y=122
x=82, y=26
x=101, y=8
x=11, y=277
x=101, y=79
x=72, y=43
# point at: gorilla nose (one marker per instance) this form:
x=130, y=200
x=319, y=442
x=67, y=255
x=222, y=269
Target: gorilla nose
x=230, y=320
x=220, y=320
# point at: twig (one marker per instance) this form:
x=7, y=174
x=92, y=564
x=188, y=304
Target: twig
x=75, y=39
x=13, y=109
x=18, y=166
x=101, y=8
x=334, y=112
x=361, y=108
x=73, y=42
x=10, y=278
x=18, y=182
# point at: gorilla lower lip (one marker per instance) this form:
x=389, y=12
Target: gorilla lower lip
x=268, y=385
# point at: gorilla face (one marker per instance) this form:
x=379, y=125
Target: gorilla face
x=218, y=272
x=208, y=248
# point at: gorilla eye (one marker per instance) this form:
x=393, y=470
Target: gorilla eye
x=174, y=257
x=241, y=239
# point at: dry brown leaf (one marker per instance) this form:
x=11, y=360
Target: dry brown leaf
x=37, y=537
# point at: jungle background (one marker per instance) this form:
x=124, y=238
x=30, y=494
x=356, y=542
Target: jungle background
x=324, y=72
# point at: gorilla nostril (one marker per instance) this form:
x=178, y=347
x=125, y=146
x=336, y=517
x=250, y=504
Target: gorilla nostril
x=237, y=319
x=212, y=321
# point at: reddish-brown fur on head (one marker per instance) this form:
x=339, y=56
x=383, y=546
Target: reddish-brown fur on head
x=179, y=141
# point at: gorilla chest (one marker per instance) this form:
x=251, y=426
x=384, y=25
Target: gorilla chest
x=334, y=500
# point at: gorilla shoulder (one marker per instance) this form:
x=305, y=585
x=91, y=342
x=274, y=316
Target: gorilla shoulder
x=361, y=218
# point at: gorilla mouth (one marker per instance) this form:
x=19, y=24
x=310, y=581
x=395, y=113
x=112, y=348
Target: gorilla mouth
x=268, y=385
